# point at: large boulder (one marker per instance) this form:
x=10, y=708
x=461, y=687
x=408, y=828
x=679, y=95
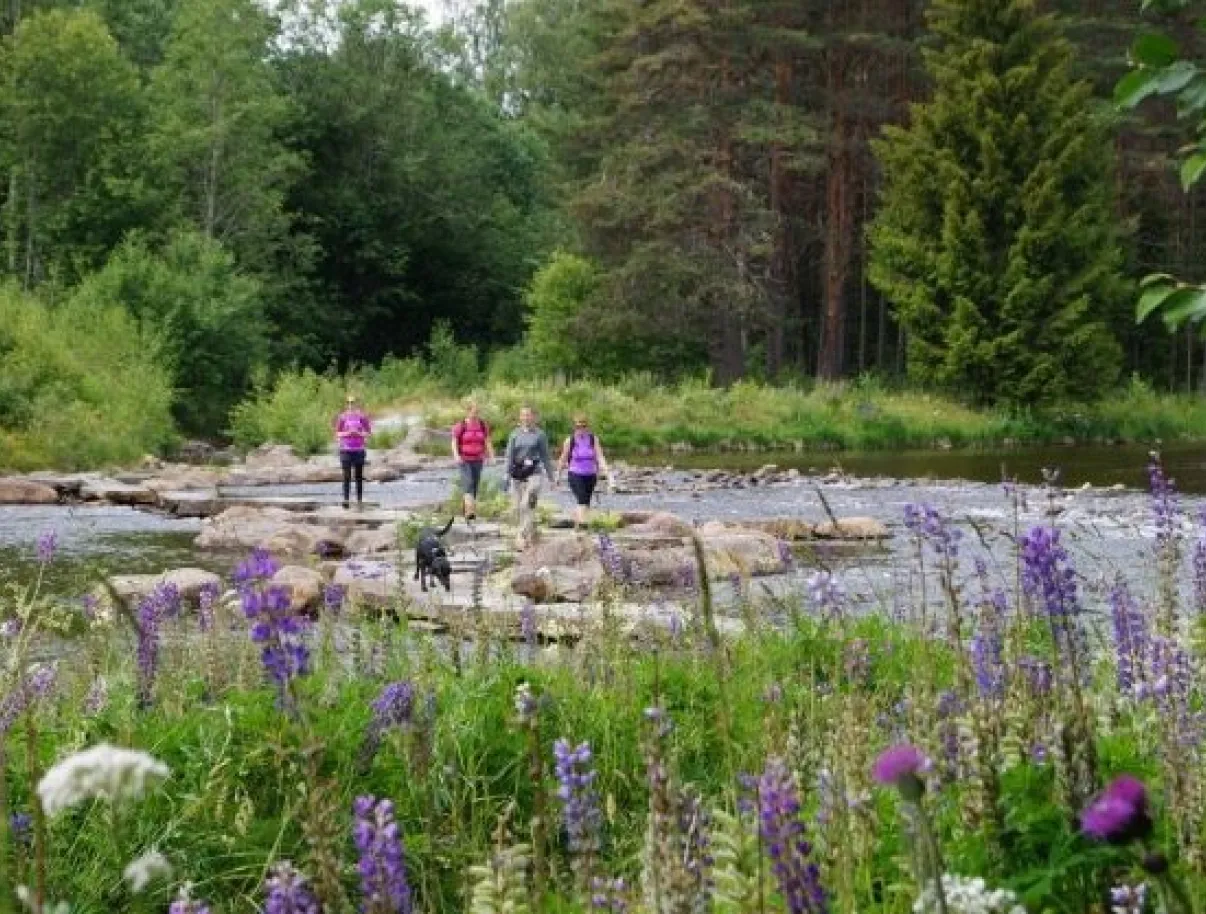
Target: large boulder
x=368, y=581
x=853, y=528
x=17, y=491
x=275, y=529
x=117, y=493
x=304, y=586
x=191, y=503
x=190, y=583
x=746, y=552
x=371, y=542
x=557, y=584
x=665, y=524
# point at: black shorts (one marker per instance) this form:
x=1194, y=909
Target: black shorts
x=471, y=477
x=351, y=459
x=583, y=487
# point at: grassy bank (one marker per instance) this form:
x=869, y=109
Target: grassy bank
x=640, y=414
x=493, y=817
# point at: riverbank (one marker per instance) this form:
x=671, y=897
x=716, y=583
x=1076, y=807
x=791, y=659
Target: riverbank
x=640, y=416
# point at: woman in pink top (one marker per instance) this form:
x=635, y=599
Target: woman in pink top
x=352, y=428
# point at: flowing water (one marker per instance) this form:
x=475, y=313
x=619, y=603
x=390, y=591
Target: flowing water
x=1108, y=527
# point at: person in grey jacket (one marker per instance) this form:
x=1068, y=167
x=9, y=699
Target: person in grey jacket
x=527, y=458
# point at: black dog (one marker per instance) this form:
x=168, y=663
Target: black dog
x=431, y=558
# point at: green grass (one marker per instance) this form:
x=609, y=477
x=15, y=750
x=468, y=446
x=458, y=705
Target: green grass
x=638, y=414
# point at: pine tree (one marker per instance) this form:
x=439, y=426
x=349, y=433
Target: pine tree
x=996, y=240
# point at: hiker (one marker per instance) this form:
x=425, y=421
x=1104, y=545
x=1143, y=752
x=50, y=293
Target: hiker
x=471, y=446
x=527, y=456
x=583, y=454
x=352, y=428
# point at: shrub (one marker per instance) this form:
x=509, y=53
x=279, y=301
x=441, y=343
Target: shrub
x=80, y=385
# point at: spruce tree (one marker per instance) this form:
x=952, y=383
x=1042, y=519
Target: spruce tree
x=996, y=241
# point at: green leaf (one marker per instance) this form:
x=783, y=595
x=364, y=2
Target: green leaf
x=1152, y=299
x=1154, y=50
x=1192, y=168
x=1188, y=304
x=1153, y=278
x=1176, y=77
x=1133, y=88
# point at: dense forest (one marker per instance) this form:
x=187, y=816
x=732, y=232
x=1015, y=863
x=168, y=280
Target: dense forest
x=767, y=189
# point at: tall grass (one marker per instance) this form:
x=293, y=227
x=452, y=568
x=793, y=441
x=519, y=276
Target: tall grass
x=640, y=413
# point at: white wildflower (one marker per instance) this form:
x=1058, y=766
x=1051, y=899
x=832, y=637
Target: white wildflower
x=966, y=895
x=102, y=772
x=146, y=869
x=25, y=896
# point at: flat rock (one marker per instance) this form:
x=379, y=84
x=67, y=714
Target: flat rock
x=664, y=524
x=557, y=584
x=274, y=529
x=368, y=580
x=304, y=586
x=18, y=491
x=791, y=529
x=371, y=541
x=853, y=528
x=183, y=479
x=130, y=589
x=272, y=455
x=117, y=493
x=66, y=485
x=191, y=504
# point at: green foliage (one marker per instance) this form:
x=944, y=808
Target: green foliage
x=216, y=136
x=996, y=240
x=555, y=302
x=69, y=106
x=298, y=409
x=453, y=365
x=81, y=385
x=208, y=315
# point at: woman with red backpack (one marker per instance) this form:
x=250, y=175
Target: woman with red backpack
x=583, y=454
x=471, y=447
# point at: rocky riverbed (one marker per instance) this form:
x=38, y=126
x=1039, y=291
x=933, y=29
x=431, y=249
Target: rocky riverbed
x=763, y=531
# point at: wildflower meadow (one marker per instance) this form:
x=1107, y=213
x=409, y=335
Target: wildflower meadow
x=1005, y=734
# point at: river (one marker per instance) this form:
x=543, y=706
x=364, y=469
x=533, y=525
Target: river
x=1109, y=527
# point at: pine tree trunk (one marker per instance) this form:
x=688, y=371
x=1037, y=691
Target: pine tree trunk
x=839, y=230
x=781, y=260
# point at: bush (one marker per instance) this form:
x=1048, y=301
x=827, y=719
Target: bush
x=453, y=365
x=297, y=410
x=208, y=314
x=81, y=385
x=555, y=301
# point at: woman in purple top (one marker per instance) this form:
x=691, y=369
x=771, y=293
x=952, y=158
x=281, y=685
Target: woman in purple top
x=352, y=428
x=583, y=454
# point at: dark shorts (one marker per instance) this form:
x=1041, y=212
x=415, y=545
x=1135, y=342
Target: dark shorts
x=471, y=477
x=351, y=459
x=583, y=488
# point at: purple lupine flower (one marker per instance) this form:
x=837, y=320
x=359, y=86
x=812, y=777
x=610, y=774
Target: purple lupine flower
x=184, y=903
x=684, y=576
x=97, y=698
x=1199, y=567
x=258, y=567
x=692, y=825
x=787, y=558
x=1128, y=899
x=618, y=568
x=826, y=593
x=580, y=812
x=608, y=896
x=162, y=602
x=20, y=826
x=1047, y=575
x=1119, y=814
x=1039, y=675
x=949, y=707
x=29, y=689
x=1131, y=638
x=333, y=598
x=783, y=835
x=289, y=892
x=382, y=863
x=275, y=624
x=48, y=544
x=988, y=644
x=931, y=528
x=393, y=708
x=527, y=623
x=1164, y=504
x=207, y=599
